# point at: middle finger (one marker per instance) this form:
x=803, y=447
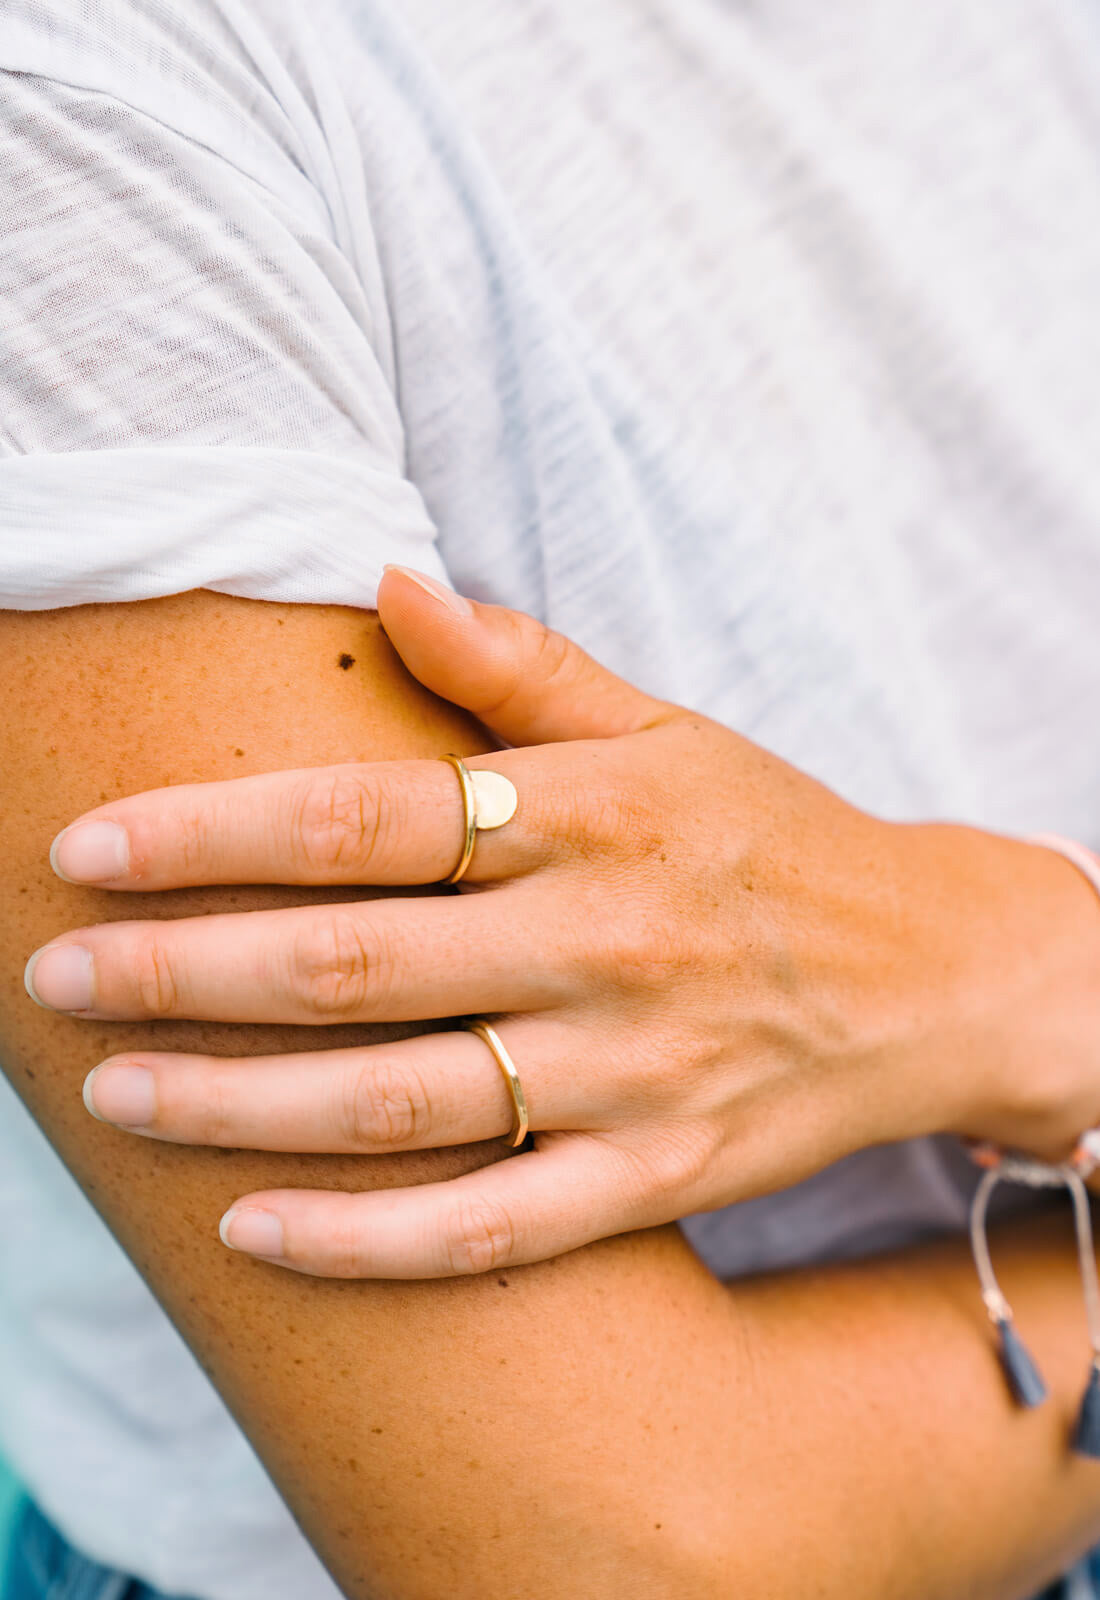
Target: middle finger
x=367, y=961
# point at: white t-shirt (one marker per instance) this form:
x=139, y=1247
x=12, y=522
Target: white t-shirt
x=756, y=347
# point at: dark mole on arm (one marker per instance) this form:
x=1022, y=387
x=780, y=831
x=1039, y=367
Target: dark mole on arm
x=346, y=661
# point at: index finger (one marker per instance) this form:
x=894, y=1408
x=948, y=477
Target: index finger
x=387, y=822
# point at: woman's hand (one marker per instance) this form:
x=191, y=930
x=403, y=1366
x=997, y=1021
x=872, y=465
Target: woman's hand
x=714, y=976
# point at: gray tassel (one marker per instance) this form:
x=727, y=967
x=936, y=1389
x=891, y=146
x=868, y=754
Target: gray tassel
x=1086, y=1435
x=1024, y=1377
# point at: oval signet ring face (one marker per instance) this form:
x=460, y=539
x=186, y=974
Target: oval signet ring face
x=496, y=799
x=489, y=800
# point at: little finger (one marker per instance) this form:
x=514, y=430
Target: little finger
x=572, y=1190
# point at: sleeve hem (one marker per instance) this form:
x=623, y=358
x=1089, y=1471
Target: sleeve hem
x=266, y=524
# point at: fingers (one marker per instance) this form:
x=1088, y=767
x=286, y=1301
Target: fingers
x=573, y=1189
x=399, y=960
x=527, y=683
x=442, y=1089
x=391, y=822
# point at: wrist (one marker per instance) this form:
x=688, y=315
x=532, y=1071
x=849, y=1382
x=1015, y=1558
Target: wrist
x=1018, y=933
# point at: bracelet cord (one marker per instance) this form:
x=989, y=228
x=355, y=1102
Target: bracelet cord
x=1021, y=1371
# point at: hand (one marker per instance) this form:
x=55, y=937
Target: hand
x=714, y=975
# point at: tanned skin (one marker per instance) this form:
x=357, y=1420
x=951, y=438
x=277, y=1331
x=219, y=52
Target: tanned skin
x=613, y=1422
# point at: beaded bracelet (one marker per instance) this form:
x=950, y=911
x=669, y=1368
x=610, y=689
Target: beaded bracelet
x=1024, y=1377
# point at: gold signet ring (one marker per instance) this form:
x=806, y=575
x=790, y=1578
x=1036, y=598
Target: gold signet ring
x=489, y=800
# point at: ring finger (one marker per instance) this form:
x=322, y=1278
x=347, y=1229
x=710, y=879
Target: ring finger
x=400, y=960
x=437, y=1090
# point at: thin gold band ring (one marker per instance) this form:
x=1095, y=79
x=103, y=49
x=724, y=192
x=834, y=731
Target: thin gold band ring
x=492, y=1038
x=469, y=808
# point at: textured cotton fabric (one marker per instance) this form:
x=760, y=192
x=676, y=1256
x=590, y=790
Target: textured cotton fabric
x=754, y=346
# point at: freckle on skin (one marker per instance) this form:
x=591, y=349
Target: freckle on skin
x=238, y=752
x=346, y=661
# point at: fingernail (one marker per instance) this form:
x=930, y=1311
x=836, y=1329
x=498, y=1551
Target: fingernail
x=122, y=1094
x=59, y=977
x=437, y=590
x=256, y=1232
x=91, y=852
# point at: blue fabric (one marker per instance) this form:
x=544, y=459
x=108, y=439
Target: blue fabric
x=1083, y=1583
x=43, y=1566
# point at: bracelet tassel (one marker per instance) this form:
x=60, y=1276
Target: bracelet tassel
x=1021, y=1370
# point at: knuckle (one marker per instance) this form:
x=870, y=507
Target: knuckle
x=155, y=977
x=479, y=1237
x=344, y=822
x=209, y=1112
x=339, y=963
x=640, y=953
x=616, y=817
x=534, y=654
x=385, y=1109
x=193, y=842
x=342, y=1251
x=659, y=1072
x=641, y=832
x=684, y=1159
x=332, y=821
x=547, y=655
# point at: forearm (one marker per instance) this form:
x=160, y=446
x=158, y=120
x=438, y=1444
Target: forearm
x=884, y=1455
x=610, y=1422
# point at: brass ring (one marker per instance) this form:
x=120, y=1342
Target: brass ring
x=492, y=1038
x=469, y=806
x=489, y=800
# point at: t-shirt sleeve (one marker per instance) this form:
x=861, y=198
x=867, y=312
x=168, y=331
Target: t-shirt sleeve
x=197, y=380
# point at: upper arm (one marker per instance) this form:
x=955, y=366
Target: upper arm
x=608, y=1423
x=196, y=395
x=397, y=1418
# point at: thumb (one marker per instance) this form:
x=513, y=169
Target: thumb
x=525, y=682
